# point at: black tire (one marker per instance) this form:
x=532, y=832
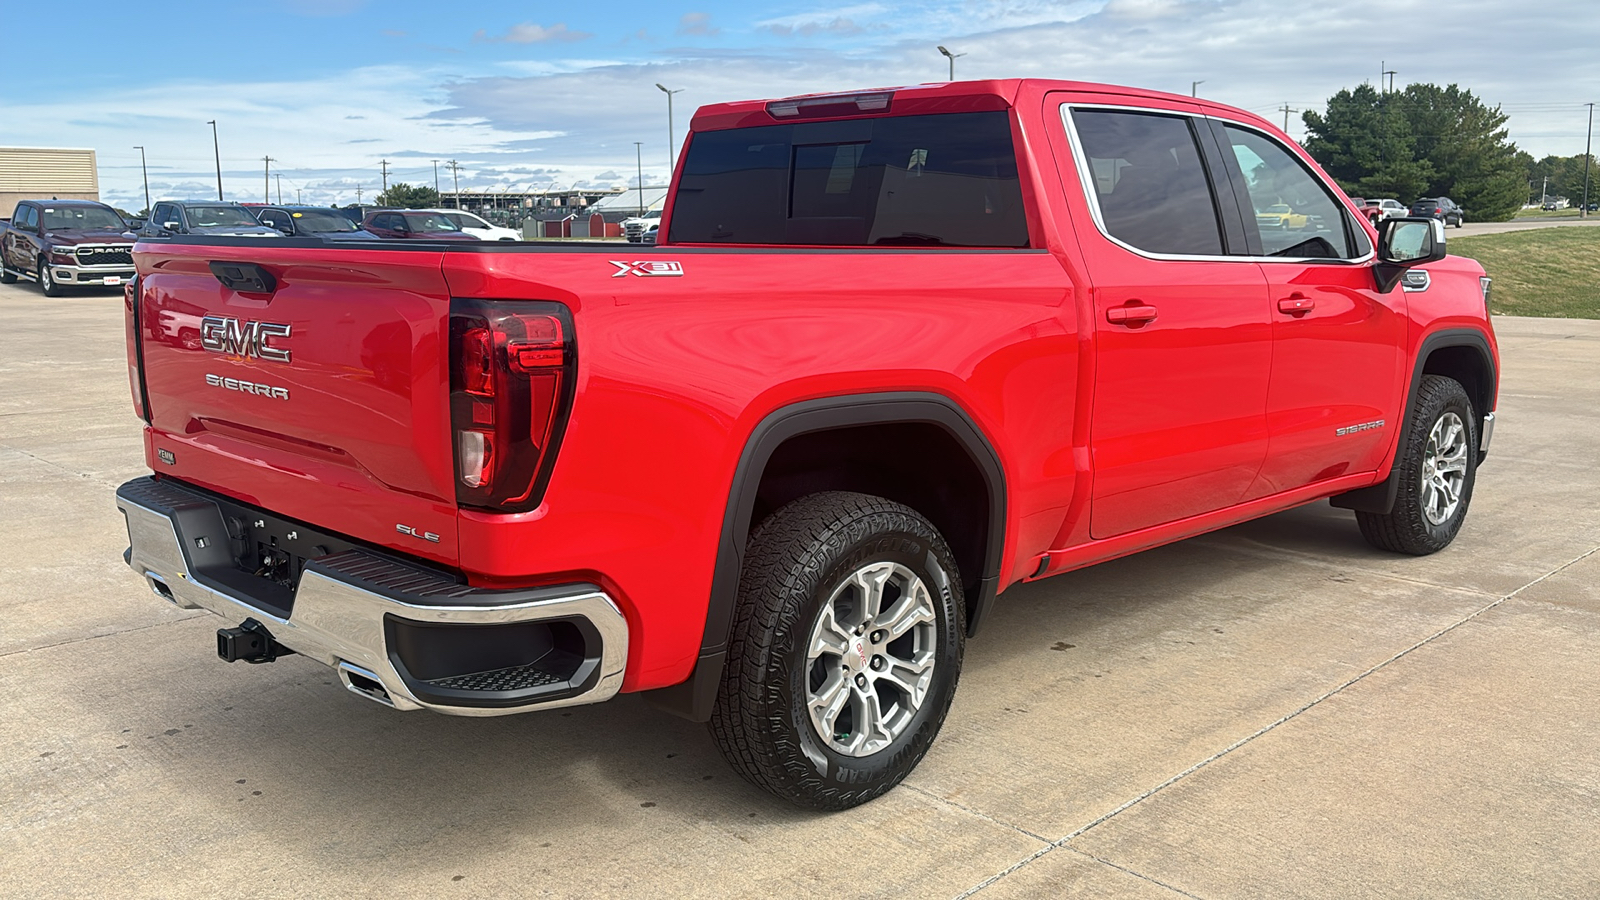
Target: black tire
x=796, y=562
x=1408, y=527
x=7, y=276
x=47, y=283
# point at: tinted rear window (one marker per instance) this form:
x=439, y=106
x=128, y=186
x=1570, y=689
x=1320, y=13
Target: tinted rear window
x=909, y=181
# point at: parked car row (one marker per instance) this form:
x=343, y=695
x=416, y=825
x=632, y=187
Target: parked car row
x=1442, y=208
x=71, y=243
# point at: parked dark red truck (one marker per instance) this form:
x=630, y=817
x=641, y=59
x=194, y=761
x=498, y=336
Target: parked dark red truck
x=897, y=351
x=65, y=243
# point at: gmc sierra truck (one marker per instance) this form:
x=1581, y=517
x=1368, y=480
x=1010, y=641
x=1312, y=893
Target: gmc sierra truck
x=896, y=351
x=65, y=243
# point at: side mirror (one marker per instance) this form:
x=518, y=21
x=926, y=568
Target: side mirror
x=284, y=227
x=1404, y=243
x=171, y=226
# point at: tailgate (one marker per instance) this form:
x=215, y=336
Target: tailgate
x=315, y=387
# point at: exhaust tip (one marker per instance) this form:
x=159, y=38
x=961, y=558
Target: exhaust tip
x=363, y=682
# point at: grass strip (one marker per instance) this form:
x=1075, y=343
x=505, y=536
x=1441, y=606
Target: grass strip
x=1548, y=272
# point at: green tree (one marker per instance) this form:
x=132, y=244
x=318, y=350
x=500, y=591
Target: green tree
x=405, y=196
x=1424, y=141
x=1366, y=145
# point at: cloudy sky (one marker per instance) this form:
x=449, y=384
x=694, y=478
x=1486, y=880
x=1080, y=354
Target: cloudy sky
x=532, y=93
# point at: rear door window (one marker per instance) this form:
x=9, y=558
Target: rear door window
x=1296, y=213
x=902, y=181
x=1149, y=181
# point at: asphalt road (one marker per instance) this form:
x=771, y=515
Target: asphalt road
x=1471, y=228
x=1274, y=710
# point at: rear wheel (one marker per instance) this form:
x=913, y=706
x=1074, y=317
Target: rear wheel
x=844, y=653
x=1436, y=468
x=47, y=282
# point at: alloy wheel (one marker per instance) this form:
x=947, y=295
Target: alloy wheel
x=870, y=658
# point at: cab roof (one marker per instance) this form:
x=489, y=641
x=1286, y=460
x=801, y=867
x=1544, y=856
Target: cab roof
x=932, y=98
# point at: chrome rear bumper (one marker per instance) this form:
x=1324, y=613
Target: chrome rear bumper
x=358, y=612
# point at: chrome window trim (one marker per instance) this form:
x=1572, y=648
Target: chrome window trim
x=1080, y=160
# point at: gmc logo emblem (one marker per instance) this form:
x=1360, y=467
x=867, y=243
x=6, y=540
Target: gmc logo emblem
x=224, y=334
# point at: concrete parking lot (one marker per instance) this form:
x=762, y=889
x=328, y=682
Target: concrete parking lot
x=1274, y=710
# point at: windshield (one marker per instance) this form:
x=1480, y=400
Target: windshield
x=81, y=218
x=430, y=222
x=319, y=222
x=208, y=216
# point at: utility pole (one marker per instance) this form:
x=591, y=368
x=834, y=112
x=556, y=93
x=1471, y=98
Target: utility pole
x=952, y=57
x=1544, y=190
x=1588, y=145
x=266, y=179
x=436, y=181
x=455, y=173
x=1194, y=87
x=1391, y=73
x=1286, y=112
x=383, y=166
x=297, y=200
x=358, y=195
x=672, y=143
x=638, y=153
x=280, y=189
x=217, y=150
x=146, y=173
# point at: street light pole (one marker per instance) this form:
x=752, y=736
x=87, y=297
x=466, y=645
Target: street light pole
x=217, y=150
x=146, y=172
x=1194, y=87
x=638, y=154
x=436, y=181
x=672, y=141
x=952, y=57
x=1588, y=144
x=266, y=179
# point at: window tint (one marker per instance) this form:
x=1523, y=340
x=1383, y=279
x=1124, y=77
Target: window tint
x=27, y=217
x=1149, y=181
x=909, y=181
x=1294, y=211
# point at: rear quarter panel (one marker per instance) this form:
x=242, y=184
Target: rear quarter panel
x=675, y=372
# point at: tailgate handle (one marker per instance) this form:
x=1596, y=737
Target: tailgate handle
x=246, y=278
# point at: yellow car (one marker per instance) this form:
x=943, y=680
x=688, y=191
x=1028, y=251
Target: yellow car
x=1279, y=215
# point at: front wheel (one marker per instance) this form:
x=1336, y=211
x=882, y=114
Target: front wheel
x=7, y=276
x=1436, y=467
x=47, y=282
x=844, y=652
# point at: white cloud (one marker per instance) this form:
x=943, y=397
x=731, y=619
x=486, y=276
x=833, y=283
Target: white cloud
x=576, y=119
x=529, y=33
x=697, y=24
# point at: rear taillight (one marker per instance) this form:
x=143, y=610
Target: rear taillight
x=511, y=380
x=1436, y=212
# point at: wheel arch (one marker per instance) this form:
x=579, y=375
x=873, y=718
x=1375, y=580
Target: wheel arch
x=821, y=425
x=1460, y=353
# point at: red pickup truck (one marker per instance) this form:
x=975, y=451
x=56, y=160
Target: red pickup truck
x=896, y=351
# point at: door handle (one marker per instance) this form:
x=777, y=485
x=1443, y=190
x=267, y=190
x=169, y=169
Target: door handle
x=1131, y=315
x=1296, y=305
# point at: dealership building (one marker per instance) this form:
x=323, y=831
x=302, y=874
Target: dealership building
x=46, y=173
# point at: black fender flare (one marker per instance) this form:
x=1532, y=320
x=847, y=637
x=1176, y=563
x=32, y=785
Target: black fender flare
x=693, y=698
x=1379, y=498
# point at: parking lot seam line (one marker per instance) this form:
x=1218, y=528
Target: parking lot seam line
x=1006, y=871
x=197, y=614
x=1337, y=690
x=55, y=465
x=1262, y=550
x=1139, y=875
x=973, y=812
